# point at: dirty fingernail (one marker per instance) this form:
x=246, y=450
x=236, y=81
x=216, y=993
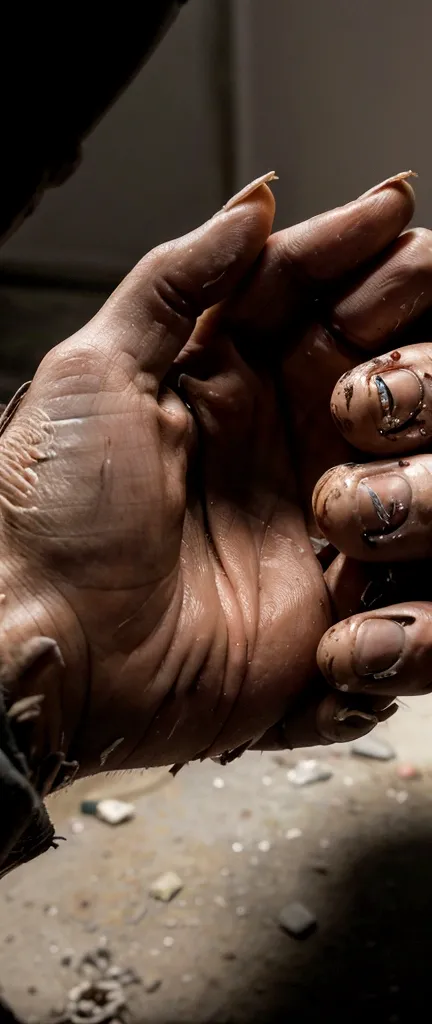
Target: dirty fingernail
x=383, y=503
x=399, y=399
x=378, y=647
x=248, y=189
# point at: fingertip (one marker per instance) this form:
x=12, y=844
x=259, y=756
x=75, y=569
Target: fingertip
x=380, y=654
x=392, y=201
x=255, y=200
x=384, y=406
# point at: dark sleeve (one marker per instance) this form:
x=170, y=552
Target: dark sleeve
x=61, y=68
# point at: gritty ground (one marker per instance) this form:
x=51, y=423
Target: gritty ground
x=216, y=953
x=356, y=850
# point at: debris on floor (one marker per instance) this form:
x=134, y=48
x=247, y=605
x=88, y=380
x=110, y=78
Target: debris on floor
x=101, y=997
x=113, y=812
x=373, y=747
x=408, y=771
x=297, y=920
x=293, y=833
x=151, y=984
x=400, y=795
x=307, y=772
x=95, y=1002
x=166, y=887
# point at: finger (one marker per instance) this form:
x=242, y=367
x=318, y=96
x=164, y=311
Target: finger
x=380, y=511
x=149, y=318
x=385, y=405
x=327, y=718
x=385, y=300
x=308, y=376
x=382, y=653
x=300, y=259
x=350, y=585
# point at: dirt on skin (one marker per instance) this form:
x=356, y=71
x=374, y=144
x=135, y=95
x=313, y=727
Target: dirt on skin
x=355, y=850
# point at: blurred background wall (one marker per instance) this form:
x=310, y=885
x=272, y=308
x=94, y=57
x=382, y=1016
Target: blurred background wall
x=334, y=94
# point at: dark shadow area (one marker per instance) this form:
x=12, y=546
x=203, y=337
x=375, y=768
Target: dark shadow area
x=7, y=1015
x=374, y=962
x=371, y=963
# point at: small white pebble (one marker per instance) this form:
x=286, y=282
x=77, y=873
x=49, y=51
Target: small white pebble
x=293, y=833
x=401, y=796
x=264, y=846
x=237, y=847
x=267, y=780
x=348, y=780
x=218, y=783
x=77, y=827
x=168, y=941
x=241, y=911
x=324, y=844
x=53, y=949
x=52, y=911
x=220, y=901
x=307, y=772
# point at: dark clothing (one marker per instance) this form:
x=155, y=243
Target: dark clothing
x=59, y=72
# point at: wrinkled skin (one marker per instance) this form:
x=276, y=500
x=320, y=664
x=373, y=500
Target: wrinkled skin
x=161, y=539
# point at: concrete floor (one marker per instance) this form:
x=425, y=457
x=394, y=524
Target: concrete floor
x=362, y=863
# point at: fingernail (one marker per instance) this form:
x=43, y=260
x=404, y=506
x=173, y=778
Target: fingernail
x=400, y=396
x=340, y=724
x=248, y=189
x=378, y=647
x=383, y=503
x=394, y=180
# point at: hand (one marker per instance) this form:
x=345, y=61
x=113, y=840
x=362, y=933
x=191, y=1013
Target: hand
x=160, y=552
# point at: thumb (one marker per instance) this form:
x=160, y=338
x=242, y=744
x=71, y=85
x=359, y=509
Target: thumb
x=151, y=315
